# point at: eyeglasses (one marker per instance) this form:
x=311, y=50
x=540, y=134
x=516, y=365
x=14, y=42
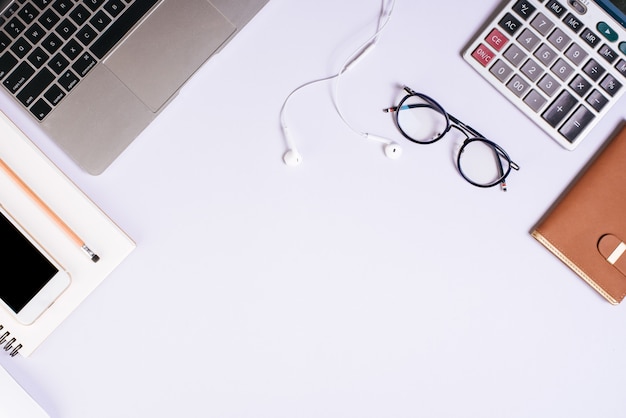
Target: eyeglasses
x=422, y=120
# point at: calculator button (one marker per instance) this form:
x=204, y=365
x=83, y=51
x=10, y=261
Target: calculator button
x=515, y=55
x=573, y=23
x=542, y=24
x=559, y=108
x=576, y=123
x=576, y=54
x=556, y=8
x=524, y=9
x=562, y=69
x=608, y=53
x=496, y=39
x=607, y=31
x=579, y=7
x=535, y=100
x=518, y=85
x=621, y=67
x=590, y=37
x=532, y=70
x=596, y=100
x=510, y=24
x=549, y=85
x=594, y=70
x=528, y=40
x=483, y=55
x=622, y=47
x=559, y=39
x=580, y=86
x=545, y=54
x=610, y=85
x=501, y=70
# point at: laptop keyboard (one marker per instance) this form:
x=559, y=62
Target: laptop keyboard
x=48, y=46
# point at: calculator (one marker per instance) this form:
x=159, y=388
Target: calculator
x=562, y=63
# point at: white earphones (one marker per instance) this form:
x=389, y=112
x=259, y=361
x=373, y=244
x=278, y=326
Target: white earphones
x=291, y=157
x=392, y=150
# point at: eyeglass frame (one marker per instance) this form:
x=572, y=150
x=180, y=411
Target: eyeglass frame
x=471, y=135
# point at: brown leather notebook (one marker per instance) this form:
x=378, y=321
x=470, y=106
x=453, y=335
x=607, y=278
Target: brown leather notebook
x=586, y=226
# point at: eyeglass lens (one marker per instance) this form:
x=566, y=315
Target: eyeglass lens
x=420, y=120
x=481, y=164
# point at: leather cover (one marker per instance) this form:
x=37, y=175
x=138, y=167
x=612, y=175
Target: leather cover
x=586, y=227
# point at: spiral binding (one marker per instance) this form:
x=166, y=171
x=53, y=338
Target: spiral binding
x=8, y=347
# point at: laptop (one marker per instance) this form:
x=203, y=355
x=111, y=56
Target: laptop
x=95, y=73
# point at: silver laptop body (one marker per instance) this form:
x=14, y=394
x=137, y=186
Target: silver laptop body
x=126, y=88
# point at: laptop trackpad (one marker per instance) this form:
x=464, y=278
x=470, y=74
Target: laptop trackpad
x=161, y=54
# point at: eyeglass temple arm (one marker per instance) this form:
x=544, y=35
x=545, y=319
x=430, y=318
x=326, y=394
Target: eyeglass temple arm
x=512, y=164
x=404, y=107
x=412, y=92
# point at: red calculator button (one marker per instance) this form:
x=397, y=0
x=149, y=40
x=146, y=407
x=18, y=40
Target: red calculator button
x=496, y=39
x=483, y=55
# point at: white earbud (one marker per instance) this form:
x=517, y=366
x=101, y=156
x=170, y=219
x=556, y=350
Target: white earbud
x=392, y=149
x=292, y=158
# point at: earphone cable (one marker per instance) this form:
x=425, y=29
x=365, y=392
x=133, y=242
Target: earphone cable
x=356, y=56
x=384, y=17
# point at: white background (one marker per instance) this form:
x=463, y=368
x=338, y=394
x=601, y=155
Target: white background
x=353, y=285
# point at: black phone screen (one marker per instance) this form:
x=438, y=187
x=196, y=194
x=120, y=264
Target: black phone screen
x=25, y=269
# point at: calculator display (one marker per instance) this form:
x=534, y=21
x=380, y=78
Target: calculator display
x=616, y=8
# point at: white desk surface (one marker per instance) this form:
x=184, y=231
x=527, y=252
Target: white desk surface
x=353, y=285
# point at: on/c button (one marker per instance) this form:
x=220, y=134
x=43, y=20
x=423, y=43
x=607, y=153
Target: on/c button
x=483, y=55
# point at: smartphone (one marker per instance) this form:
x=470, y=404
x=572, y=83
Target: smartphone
x=32, y=279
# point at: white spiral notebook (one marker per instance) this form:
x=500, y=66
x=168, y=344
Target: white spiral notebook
x=79, y=214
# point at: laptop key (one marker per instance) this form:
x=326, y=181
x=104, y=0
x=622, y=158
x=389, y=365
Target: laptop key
x=68, y=80
x=80, y=14
x=72, y=49
x=120, y=27
x=40, y=109
x=86, y=35
x=7, y=63
x=54, y=95
x=4, y=41
x=85, y=63
x=18, y=77
x=35, y=87
x=94, y=4
x=41, y=3
x=114, y=7
x=38, y=57
x=62, y=6
x=100, y=21
x=48, y=19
